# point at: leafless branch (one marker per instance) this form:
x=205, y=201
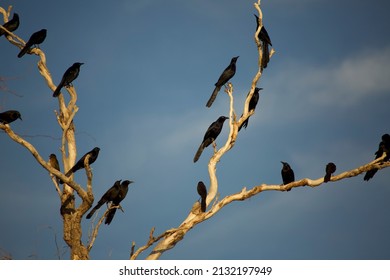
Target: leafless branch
x=171, y=237
x=95, y=229
x=71, y=217
x=169, y=241
x=80, y=191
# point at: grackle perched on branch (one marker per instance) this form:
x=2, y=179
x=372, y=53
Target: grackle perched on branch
x=211, y=134
x=123, y=189
x=252, y=106
x=107, y=197
x=54, y=163
x=69, y=76
x=202, y=191
x=10, y=25
x=9, y=116
x=226, y=75
x=329, y=169
x=265, y=41
x=80, y=164
x=287, y=174
x=35, y=39
x=384, y=147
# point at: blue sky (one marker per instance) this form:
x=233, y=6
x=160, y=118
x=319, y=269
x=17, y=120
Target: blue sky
x=150, y=67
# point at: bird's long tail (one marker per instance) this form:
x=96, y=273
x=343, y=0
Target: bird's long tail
x=92, y=212
x=265, y=57
x=110, y=216
x=70, y=171
x=203, y=204
x=199, y=152
x=57, y=91
x=23, y=51
x=98, y=205
x=244, y=124
x=327, y=177
x=213, y=96
x=370, y=174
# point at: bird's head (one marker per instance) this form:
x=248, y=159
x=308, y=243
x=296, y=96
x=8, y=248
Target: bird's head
x=127, y=182
x=17, y=115
x=201, y=187
x=285, y=164
x=330, y=167
x=222, y=118
x=78, y=64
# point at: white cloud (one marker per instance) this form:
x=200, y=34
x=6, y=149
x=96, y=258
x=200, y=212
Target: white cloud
x=346, y=83
x=364, y=74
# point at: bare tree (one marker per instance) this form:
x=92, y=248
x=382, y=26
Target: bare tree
x=72, y=213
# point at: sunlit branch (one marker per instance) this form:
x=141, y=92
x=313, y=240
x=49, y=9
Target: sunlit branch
x=80, y=191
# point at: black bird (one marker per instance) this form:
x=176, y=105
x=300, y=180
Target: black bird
x=107, y=197
x=10, y=25
x=69, y=76
x=54, y=163
x=202, y=191
x=80, y=164
x=287, y=174
x=265, y=41
x=35, y=39
x=384, y=146
x=329, y=169
x=123, y=189
x=252, y=106
x=226, y=75
x=9, y=116
x=211, y=134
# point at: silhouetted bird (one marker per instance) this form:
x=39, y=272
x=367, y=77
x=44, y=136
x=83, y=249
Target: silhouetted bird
x=211, y=134
x=9, y=116
x=384, y=146
x=35, y=39
x=69, y=76
x=265, y=41
x=54, y=163
x=10, y=25
x=226, y=75
x=80, y=164
x=252, y=106
x=329, y=170
x=202, y=191
x=107, y=197
x=287, y=174
x=123, y=189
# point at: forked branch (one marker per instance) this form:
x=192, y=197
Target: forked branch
x=171, y=237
